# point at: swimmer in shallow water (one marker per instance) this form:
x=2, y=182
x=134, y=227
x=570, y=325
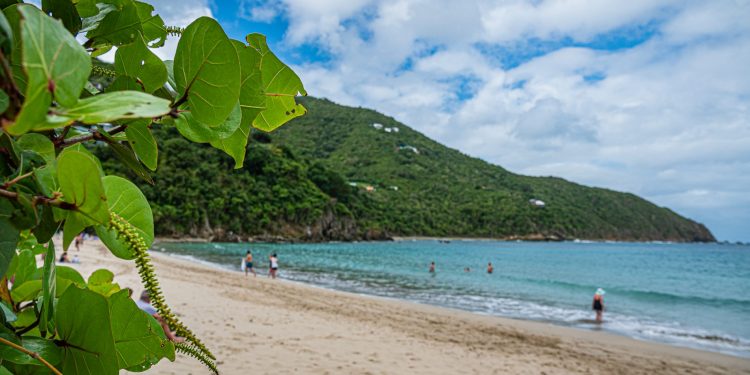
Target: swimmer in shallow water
x=598, y=304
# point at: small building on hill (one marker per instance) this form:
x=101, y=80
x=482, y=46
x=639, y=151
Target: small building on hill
x=536, y=202
x=377, y=126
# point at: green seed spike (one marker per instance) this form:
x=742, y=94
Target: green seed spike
x=193, y=352
x=127, y=233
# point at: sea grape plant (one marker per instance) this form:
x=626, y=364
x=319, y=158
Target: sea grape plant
x=53, y=109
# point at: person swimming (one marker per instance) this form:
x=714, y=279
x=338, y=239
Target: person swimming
x=598, y=304
x=490, y=269
x=432, y=267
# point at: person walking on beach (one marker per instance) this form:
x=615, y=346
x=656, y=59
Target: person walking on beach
x=490, y=268
x=79, y=241
x=432, y=267
x=249, y=264
x=598, y=304
x=273, y=266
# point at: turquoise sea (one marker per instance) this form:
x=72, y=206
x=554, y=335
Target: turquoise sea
x=695, y=295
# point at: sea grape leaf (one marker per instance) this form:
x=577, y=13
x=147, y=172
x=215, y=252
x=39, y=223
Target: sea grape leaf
x=119, y=25
x=87, y=8
x=101, y=282
x=47, y=226
x=6, y=37
x=252, y=98
x=81, y=185
x=45, y=348
x=205, y=71
x=235, y=145
x=280, y=85
x=113, y=106
x=65, y=277
x=151, y=24
x=13, y=17
x=128, y=202
x=196, y=131
x=22, y=267
x=139, y=339
x=137, y=61
x=8, y=236
x=126, y=155
x=57, y=73
x=4, y=99
x=85, y=333
x=252, y=102
x=26, y=291
x=65, y=11
x=49, y=290
x=37, y=143
x=143, y=143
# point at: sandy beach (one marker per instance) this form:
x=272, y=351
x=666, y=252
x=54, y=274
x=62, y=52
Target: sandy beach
x=258, y=325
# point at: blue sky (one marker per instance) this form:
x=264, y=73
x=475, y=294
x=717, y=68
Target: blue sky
x=640, y=96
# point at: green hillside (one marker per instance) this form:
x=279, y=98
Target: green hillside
x=297, y=185
x=442, y=192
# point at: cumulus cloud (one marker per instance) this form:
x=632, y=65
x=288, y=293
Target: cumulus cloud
x=656, y=117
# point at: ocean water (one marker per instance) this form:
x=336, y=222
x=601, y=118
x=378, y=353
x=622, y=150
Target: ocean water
x=695, y=295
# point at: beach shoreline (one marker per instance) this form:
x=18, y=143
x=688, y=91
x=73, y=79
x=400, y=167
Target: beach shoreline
x=275, y=326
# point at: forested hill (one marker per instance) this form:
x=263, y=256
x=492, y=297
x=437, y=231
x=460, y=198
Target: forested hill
x=341, y=173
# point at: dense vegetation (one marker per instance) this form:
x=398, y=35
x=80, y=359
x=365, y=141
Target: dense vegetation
x=296, y=185
x=56, y=106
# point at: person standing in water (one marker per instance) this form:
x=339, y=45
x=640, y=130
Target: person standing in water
x=432, y=267
x=598, y=304
x=274, y=266
x=249, y=264
x=490, y=268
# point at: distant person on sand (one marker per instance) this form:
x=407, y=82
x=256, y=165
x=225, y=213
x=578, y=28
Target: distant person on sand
x=64, y=257
x=145, y=304
x=75, y=259
x=79, y=241
x=432, y=267
x=273, y=266
x=249, y=264
x=598, y=304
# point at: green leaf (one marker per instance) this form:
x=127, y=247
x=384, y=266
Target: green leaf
x=196, y=131
x=7, y=313
x=39, y=144
x=205, y=70
x=81, y=185
x=128, y=202
x=8, y=236
x=235, y=145
x=22, y=267
x=26, y=291
x=139, y=339
x=47, y=227
x=49, y=290
x=113, y=106
x=119, y=25
x=153, y=26
x=101, y=276
x=45, y=348
x=85, y=333
x=4, y=99
x=65, y=277
x=6, y=38
x=252, y=98
x=57, y=73
x=137, y=61
x=123, y=152
x=280, y=85
x=143, y=143
x=65, y=11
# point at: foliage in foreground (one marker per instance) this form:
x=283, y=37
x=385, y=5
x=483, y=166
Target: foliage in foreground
x=215, y=90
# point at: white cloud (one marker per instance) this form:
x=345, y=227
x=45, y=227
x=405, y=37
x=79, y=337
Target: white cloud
x=664, y=119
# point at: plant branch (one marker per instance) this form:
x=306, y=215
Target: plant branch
x=31, y=354
x=15, y=180
x=29, y=327
x=96, y=135
x=40, y=199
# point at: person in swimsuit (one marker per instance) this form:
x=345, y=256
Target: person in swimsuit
x=432, y=267
x=249, y=264
x=144, y=303
x=598, y=304
x=274, y=266
x=490, y=268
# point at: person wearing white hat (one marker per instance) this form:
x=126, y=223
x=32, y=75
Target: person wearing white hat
x=598, y=304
